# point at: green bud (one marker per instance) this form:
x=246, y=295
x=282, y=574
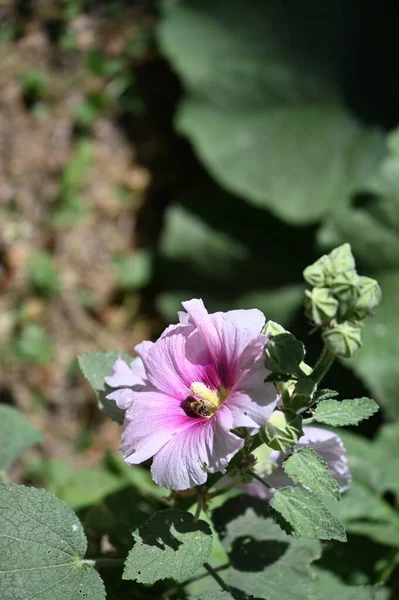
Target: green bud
x=369, y=296
x=318, y=273
x=283, y=430
x=342, y=259
x=273, y=328
x=284, y=353
x=343, y=340
x=346, y=290
x=320, y=305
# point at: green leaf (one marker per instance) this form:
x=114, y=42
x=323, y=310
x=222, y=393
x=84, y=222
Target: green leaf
x=346, y=412
x=311, y=470
x=265, y=561
x=329, y=586
x=213, y=596
x=265, y=119
x=95, y=367
x=306, y=515
x=42, y=544
x=16, y=435
x=43, y=273
x=171, y=544
x=33, y=345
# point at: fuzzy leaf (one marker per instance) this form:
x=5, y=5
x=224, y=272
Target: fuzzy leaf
x=311, y=470
x=305, y=515
x=42, y=544
x=17, y=435
x=95, y=367
x=346, y=412
x=170, y=544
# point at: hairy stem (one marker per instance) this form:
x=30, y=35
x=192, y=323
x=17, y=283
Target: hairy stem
x=325, y=361
x=261, y=480
x=200, y=506
x=217, y=578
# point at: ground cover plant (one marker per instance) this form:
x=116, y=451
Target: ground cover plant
x=184, y=165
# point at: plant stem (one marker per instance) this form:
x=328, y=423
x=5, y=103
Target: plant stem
x=325, y=361
x=200, y=506
x=261, y=480
x=217, y=577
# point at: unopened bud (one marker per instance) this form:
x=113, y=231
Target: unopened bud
x=319, y=273
x=343, y=340
x=320, y=305
x=342, y=259
x=273, y=328
x=346, y=290
x=283, y=430
x=284, y=353
x=369, y=296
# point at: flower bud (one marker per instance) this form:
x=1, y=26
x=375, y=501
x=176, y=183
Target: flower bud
x=318, y=273
x=303, y=393
x=342, y=259
x=284, y=353
x=283, y=430
x=346, y=290
x=369, y=296
x=343, y=340
x=320, y=305
x=273, y=328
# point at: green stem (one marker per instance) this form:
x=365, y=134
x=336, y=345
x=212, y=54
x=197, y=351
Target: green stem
x=325, y=361
x=217, y=578
x=389, y=567
x=262, y=481
x=200, y=506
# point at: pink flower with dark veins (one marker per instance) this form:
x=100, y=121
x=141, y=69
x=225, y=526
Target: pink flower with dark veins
x=202, y=378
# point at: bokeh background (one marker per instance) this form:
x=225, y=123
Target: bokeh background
x=153, y=152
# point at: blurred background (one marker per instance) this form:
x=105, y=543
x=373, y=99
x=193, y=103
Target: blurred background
x=151, y=152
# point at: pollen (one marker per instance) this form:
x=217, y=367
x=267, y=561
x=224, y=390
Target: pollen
x=208, y=396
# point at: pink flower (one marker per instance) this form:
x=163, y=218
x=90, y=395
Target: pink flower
x=202, y=378
x=329, y=445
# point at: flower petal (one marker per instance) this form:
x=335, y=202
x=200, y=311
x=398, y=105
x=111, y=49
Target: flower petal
x=329, y=445
x=203, y=321
x=253, y=401
x=125, y=375
x=208, y=446
x=151, y=421
x=123, y=398
x=172, y=364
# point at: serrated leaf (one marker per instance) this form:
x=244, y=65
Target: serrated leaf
x=265, y=561
x=306, y=514
x=42, y=544
x=311, y=470
x=17, y=435
x=346, y=412
x=95, y=367
x=171, y=544
x=324, y=394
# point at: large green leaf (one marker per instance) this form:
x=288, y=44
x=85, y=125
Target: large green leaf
x=16, y=435
x=265, y=561
x=346, y=412
x=171, y=544
x=311, y=470
x=305, y=515
x=42, y=544
x=263, y=106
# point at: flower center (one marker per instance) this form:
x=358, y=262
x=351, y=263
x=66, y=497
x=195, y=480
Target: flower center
x=206, y=401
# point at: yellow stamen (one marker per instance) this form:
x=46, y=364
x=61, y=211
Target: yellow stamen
x=209, y=397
